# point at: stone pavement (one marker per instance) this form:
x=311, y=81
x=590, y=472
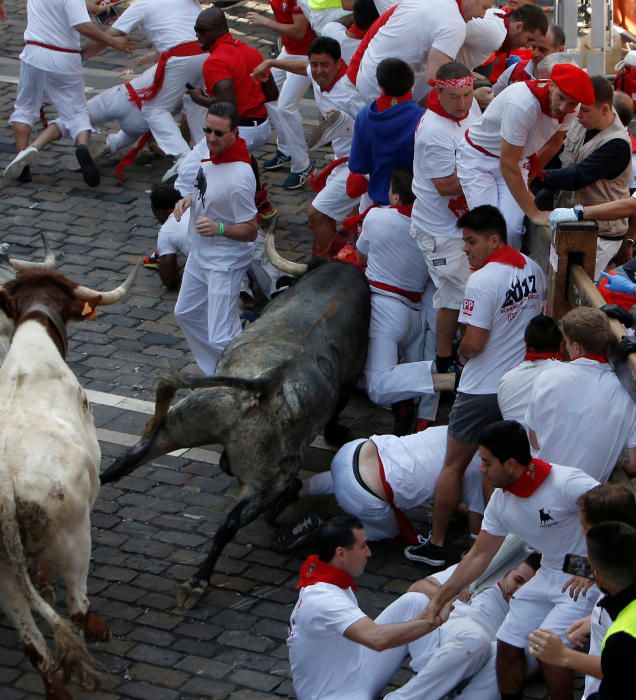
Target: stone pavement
x=152, y=528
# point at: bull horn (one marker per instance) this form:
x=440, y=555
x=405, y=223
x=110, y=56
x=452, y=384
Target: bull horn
x=287, y=266
x=106, y=298
x=48, y=263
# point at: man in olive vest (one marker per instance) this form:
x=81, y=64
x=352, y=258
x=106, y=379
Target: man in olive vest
x=595, y=168
x=612, y=550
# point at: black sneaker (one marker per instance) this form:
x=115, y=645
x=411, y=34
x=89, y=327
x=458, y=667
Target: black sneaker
x=25, y=175
x=90, y=172
x=426, y=552
x=286, y=539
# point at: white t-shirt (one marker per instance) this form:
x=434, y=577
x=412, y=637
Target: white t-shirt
x=383, y=5
x=436, y=142
x=548, y=520
x=412, y=464
x=484, y=35
x=581, y=414
x=173, y=235
x=502, y=299
x=504, y=79
x=348, y=44
x=223, y=192
x=515, y=115
x=343, y=98
x=515, y=388
x=416, y=27
x=488, y=609
x=601, y=622
x=165, y=24
x=393, y=256
x=322, y=660
x=52, y=22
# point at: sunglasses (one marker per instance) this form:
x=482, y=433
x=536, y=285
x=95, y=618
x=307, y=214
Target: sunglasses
x=216, y=132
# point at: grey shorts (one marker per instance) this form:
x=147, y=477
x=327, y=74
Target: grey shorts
x=470, y=414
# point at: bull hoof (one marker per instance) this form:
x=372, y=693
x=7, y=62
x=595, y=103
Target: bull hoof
x=47, y=592
x=191, y=592
x=54, y=690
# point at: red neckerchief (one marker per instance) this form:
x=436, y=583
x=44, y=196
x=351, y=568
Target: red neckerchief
x=385, y=101
x=341, y=71
x=507, y=256
x=405, y=210
x=433, y=103
x=356, y=32
x=313, y=570
x=533, y=476
x=595, y=358
x=541, y=90
x=633, y=140
x=533, y=356
x=236, y=152
x=519, y=72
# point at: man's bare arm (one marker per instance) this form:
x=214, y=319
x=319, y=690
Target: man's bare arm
x=261, y=72
x=620, y=209
x=436, y=59
x=474, y=341
x=511, y=172
x=448, y=186
x=98, y=39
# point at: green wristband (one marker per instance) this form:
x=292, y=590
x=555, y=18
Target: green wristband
x=221, y=229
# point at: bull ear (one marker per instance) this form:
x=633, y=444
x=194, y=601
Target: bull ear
x=7, y=304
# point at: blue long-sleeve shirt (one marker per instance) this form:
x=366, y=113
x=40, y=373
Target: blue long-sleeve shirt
x=383, y=141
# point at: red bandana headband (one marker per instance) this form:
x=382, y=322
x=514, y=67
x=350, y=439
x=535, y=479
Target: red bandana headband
x=465, y=82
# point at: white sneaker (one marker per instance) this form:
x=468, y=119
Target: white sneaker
x=172, y=170
x=324, y=132
x=17, y=165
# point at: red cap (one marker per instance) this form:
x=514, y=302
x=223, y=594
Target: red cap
x=574, y=82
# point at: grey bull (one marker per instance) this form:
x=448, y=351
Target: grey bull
x=278, y=385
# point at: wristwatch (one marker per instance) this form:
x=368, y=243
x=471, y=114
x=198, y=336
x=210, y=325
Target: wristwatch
x=579, y=210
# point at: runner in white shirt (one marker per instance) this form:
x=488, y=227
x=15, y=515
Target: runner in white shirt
x=500, y=32
x=423, y=33
x=397, y=276
x=463, y=645
x=51, y=70
x=222, y=233
x=607, y=502
x=409, y=465
x=335, y=650
x=439, y=200
x=537, y=502
x=169, y=26
x=327, y=72
x=543, y=339
x=552, y=42
x=321, y=12
x=494, y=160
x=172, y=237
x=594, y=415
x=502, y=295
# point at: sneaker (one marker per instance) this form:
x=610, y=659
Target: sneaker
x=324, y=131
x=426, y=552
x=152, y=261
x=294, y=181
x=173, y=170
x=277, y=161
x=266, y=210
x=286, y=539
x=226, y=4
x=17, y=165
x=90, y=171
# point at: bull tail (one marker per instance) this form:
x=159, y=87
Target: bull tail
x=69, y=650
x=132, y=458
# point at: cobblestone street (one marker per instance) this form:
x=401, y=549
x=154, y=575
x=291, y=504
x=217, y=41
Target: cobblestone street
x=151, y=529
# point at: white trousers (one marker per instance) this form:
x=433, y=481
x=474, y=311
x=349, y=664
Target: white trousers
x=483, y=183
x=379, y=666
x=394, y=369
x=158, y=111
x=64, y=91
x=285, y=116
x=261, y=269
x=113, y=105
x=442, y=659
x=257, y=135
x=207, y=311
x=605, y=251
